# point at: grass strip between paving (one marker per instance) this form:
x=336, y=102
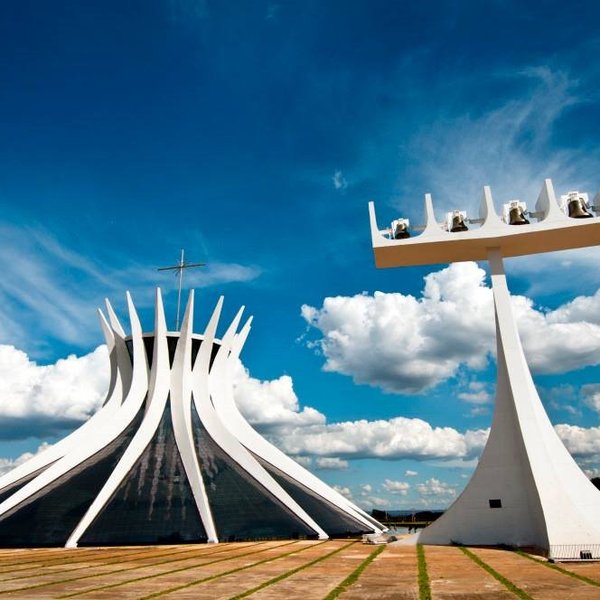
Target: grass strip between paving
x=353, y=577
x=289, y=573
x=559, y=569
x=509, y=585
x=238, y=569
x=155, y=575
x=423, y=577
x=162, y=562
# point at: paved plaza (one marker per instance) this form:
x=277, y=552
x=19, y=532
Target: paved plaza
x=288, y=569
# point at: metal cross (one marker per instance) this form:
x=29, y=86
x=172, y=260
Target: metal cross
x=179, y=268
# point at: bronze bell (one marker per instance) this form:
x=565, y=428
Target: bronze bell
x=458, y=223
x=516, y=216
x=401, y=231
x=578, y=209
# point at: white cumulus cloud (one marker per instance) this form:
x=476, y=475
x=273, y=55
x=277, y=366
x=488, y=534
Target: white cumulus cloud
x=49, y=397
x=396, y=487
x=404, y=344
x=580, y=441
x=435, y=487
x=369, y=502
x=399, y=437
x=333, y=464
x=271, y=403
x=591, y=395
x=344, y=491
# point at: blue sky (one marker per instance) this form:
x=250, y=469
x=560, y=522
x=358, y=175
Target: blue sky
x=252, y=134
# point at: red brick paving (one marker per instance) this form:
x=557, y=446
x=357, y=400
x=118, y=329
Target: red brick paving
x=392, y=575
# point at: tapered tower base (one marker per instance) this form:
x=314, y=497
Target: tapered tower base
x=527, y=490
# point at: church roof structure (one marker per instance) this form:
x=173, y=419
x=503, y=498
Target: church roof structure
x=169, y=458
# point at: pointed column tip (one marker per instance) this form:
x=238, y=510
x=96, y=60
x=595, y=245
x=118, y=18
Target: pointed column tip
x=114, y=321
x=134, y=319
x=188, y=317
x=430, y=221
x=160, y=320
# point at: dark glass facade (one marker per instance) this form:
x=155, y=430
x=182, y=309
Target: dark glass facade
x=172, y=344
x=9, y=490
x=154, y=504
x=48, y=517
x=242, y=508
x=334, y=521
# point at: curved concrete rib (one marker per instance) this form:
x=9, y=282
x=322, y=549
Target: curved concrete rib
x=123, y=357
x=114, y=320
x=110, y=405
x=230, y=415
x=181, y=412
x=158, y=392
x=206, y=385
x=109, y=338
x=227, y=341
x=97, y=437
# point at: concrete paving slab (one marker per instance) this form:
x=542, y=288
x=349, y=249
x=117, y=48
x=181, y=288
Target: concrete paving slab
x=318, y=580
x=454, y=575
x=190, y=576
x=88, y=560
x=109, y=575
x=237, y=583
x=535, y=579
x=392, y=575
x=142, y=582
x=591, y=569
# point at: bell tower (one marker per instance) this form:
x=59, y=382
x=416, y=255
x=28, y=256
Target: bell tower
x=527, y=490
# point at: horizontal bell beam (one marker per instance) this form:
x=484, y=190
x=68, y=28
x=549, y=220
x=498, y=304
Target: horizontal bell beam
x=554, y=231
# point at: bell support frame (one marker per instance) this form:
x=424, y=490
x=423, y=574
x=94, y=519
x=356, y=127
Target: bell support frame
x=527, y=490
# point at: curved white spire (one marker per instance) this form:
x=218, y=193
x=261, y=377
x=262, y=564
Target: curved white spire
x=114, y=321
x=181, y=411
x=109, y=338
